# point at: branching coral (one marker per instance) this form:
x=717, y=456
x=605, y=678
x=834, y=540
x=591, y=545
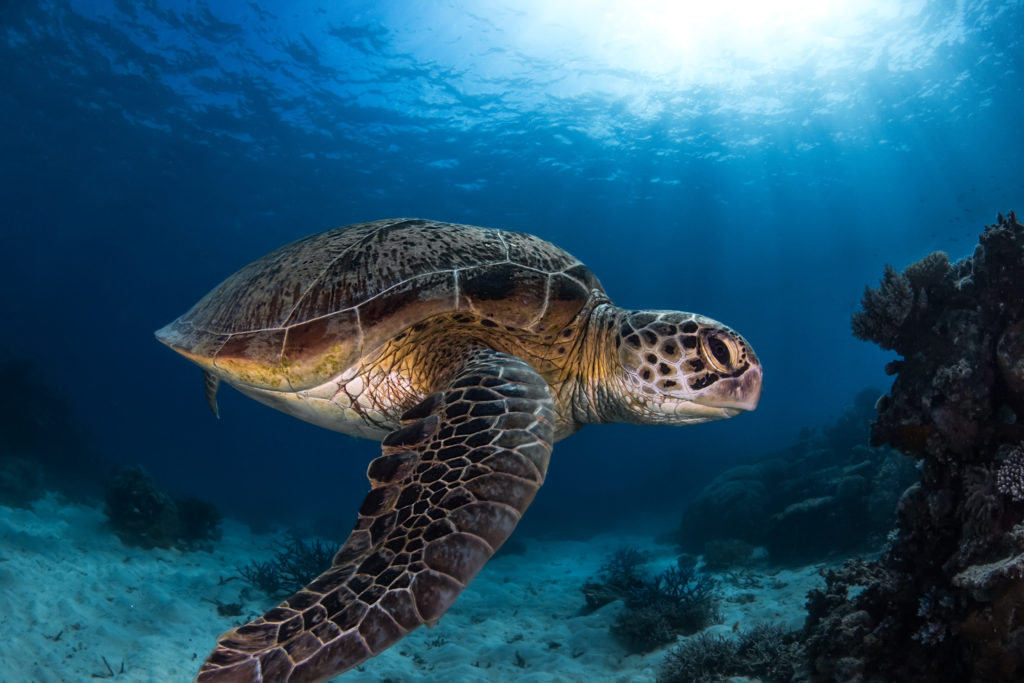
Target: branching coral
x=296, y=563
x=885, y=310
x=933, y=608
x=1010, y=477
x=679, y=600
x=982, y=506
x=702, y=659
x=766, y=652
x=929, y=271
x=690, y=595
x=617, y=580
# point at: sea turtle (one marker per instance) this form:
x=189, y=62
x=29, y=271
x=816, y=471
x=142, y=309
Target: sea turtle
x=468, y=351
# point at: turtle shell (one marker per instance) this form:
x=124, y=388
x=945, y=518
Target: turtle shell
x=306, y=312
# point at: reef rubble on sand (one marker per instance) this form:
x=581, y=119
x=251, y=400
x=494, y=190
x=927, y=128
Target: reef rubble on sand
x=945, y=601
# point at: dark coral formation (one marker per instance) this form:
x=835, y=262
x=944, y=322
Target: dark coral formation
x=679, y=601
x=829, y=493
x=1010, y=475
x=139, y=512
x=618, y=578
x=296, y=562
x=945, y=602
x=143, y=515
x=198, y=522
x=766, y=652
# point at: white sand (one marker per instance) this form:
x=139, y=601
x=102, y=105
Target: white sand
x=71, y=594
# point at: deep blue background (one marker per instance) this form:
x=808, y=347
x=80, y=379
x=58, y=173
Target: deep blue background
x=147, y=150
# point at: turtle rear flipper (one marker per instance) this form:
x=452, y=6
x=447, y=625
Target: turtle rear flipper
x=211, y=383
x=449, y=488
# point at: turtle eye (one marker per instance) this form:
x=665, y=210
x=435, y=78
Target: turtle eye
x=718, y=352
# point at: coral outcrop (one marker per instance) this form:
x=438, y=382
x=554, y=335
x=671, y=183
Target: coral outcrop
x=677, y=601
x=945, y=601
x=618, y=579
x=766, y=653
x=143, y=515
x=296, y=562
x=829, y=493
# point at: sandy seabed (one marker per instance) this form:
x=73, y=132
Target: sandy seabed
x=72, y=595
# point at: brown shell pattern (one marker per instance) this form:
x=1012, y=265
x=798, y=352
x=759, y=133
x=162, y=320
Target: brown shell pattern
x=307, y=311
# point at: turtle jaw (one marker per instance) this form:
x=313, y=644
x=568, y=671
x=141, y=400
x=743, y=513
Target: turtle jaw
x=727, y=399
x=690, y=412
x=735, y=394
x=681, y=410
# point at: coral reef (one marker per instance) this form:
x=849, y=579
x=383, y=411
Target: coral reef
x=885, y=310
x=618, y=578
x=701, y=659
x=677, y=601
x=295, y=563
x=143, y=515
x=945, y=601
x=828, y=493
x=766, y=652
x=1010, y=476
x=139, y=512
x=198, y=523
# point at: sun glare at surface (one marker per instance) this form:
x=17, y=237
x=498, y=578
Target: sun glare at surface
x=656, y=58
x=701, y=42
x=605, y=68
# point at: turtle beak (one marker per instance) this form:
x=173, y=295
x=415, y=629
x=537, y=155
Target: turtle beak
x=735, y=394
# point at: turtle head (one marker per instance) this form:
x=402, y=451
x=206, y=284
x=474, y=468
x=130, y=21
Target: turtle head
x=681, y=368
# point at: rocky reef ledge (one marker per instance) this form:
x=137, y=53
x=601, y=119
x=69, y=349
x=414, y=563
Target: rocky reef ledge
x=945, y=600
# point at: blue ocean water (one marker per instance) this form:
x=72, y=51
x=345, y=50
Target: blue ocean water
x=759, y=166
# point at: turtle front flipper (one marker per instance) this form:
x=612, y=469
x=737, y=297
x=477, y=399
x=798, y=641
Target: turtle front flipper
x=449, y=488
